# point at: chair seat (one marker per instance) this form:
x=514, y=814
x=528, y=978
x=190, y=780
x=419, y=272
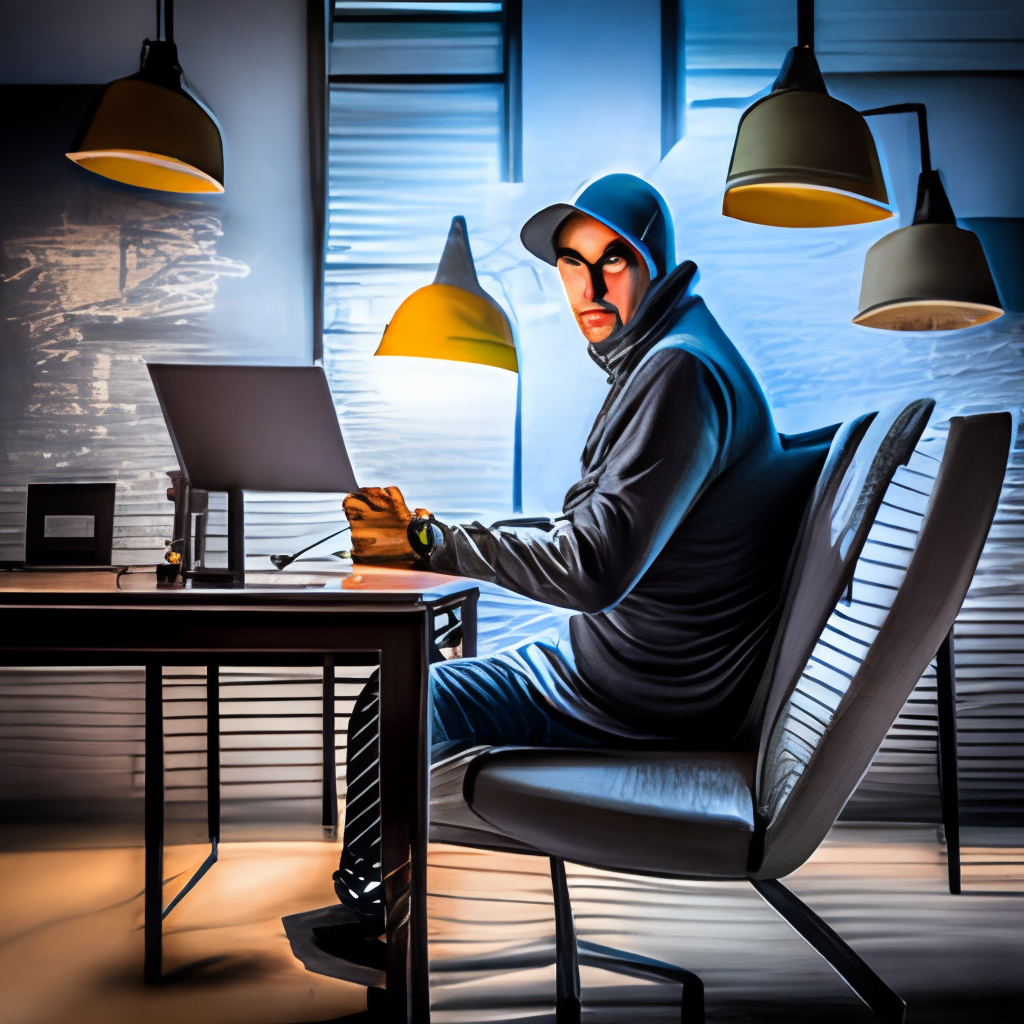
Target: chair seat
x=451, y=820
x=679, y=814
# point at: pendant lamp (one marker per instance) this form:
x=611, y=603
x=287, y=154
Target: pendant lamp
x=803, y=159
x=931, y=276
x=454, y=318
x=147, y=130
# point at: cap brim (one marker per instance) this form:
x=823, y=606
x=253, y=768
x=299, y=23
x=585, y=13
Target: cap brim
x=540, y=231
x=538, y=234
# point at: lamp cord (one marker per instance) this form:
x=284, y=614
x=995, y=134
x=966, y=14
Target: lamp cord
x=165, y=20
x=280, y=561
x=805, y=24
x=322, y=540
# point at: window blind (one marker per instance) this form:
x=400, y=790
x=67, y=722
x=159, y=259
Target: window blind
x=412, y=143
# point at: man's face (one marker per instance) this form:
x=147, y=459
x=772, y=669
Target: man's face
x=605, y=278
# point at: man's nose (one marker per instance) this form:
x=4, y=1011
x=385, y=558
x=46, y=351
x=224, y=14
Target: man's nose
x=588, y=287
x=597, y=287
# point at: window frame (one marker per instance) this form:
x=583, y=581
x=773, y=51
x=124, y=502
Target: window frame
x=510, y=77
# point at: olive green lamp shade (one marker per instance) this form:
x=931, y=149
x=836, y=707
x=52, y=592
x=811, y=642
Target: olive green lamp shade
x=452, y=318
x=147, y=131
x=803, y=159
x=927, y=277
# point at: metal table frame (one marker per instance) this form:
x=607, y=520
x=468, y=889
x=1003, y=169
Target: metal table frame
x=159, y=628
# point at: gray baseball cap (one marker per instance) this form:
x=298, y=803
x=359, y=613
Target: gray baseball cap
x=623, y=202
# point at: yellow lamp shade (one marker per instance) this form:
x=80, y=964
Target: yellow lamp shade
x=147, y=131
x=443, y=321
x=146, y=170
x=453, y=318
x=799, y=205
x=804, y=159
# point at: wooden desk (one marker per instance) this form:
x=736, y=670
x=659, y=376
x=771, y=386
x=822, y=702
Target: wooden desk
x=375, y=616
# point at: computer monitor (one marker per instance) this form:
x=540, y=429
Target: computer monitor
x=260, y=428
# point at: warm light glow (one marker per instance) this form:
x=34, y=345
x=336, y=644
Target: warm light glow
x=799, y=205
x=441, y=321
x=152, y=136
x=927, y=315
x=146, y=170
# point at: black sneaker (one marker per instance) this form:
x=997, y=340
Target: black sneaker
x=332, y=941
x=350, y=942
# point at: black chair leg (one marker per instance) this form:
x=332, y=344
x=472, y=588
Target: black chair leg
x=886, y=1005
x=568, y=956
x=945, y=694
x=609, y=959
x=567, y=966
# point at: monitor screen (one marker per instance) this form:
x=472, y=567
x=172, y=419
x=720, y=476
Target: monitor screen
x=260, y=428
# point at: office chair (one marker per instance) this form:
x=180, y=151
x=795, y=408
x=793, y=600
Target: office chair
x=883, y=561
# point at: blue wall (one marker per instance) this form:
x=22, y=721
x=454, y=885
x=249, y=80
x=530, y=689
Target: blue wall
x=785, y=297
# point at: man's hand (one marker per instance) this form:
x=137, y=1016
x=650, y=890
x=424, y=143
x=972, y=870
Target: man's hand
x=380, y=520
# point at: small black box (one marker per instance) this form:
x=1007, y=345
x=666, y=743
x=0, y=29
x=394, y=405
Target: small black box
x=69, y=524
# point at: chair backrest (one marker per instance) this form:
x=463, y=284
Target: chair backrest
x=901, y=534
x=841, y=448
x=847, y=494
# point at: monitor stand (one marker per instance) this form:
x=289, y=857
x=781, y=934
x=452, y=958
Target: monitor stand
x=234, y=574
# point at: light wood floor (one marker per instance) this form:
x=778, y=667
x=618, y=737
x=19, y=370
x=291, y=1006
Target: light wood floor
x=71, y=947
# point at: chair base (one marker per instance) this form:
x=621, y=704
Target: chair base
x=886, y=1005
x=571, y=952
x=621, y=962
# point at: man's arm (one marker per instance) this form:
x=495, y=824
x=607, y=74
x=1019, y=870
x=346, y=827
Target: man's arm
x=658, y=466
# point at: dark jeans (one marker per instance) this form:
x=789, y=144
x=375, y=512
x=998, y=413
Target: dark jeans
x=475, y=702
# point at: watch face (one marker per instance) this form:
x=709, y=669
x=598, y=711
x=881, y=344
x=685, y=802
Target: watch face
x=422, y=536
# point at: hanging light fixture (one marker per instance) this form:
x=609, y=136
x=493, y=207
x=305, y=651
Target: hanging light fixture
x=932, y=275
x=454, y=318
x=803, y=159
x=147, y=130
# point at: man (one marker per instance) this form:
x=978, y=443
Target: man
x=671, y=549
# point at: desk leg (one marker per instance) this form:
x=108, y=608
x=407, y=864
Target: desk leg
x=154, y=746
x=949, y=786
x=213, y=752
x=330, y=786
x=236, y=534
x=404, y=782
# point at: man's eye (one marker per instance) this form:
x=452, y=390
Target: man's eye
x=569, y=261
x=614, y=264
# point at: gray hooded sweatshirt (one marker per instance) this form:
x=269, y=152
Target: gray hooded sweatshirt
x=673, y=545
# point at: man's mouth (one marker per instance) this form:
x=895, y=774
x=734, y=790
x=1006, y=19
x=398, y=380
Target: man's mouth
x=596, y=316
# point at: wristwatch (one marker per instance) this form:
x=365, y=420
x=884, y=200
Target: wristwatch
x=424, y=535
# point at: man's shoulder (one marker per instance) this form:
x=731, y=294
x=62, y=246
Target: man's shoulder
x=697, y=338
x=694, y=331
x=678, y=356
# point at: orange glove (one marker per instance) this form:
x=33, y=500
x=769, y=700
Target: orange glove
x=380, y=521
